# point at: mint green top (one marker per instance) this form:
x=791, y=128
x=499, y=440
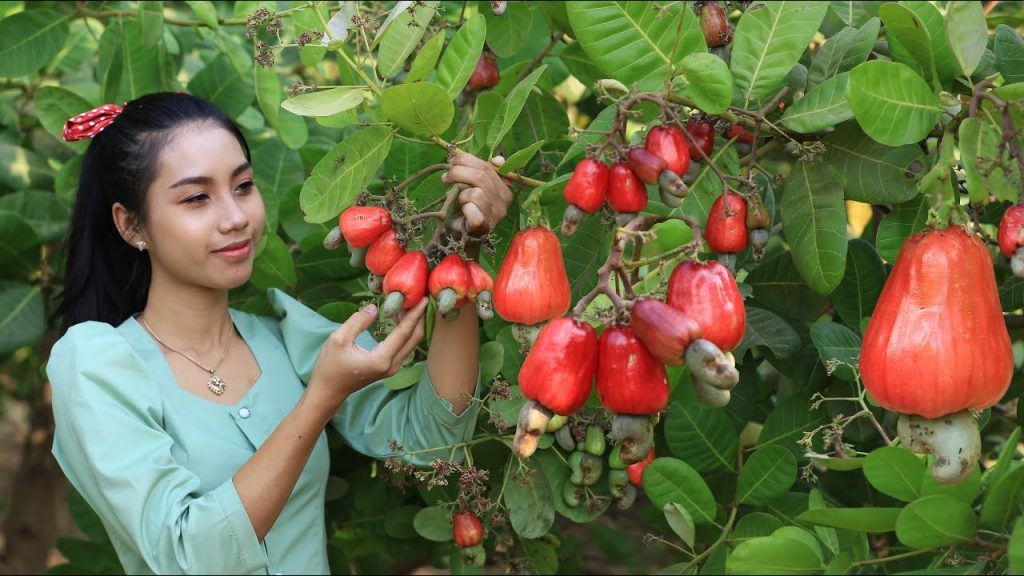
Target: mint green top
x=156, y=461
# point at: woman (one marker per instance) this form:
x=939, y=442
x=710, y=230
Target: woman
x=194, y=430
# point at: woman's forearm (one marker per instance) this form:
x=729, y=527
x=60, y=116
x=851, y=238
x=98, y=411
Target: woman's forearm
x=266, y=481
x=453, y=361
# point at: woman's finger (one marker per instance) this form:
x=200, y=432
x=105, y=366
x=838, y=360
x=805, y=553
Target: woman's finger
x=401, y=334
x=467, y=175
x=409, y=346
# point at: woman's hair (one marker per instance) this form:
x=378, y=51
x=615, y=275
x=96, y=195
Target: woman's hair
x=106, y=279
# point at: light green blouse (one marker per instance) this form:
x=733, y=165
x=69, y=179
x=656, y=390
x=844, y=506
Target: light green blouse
x=156, y=462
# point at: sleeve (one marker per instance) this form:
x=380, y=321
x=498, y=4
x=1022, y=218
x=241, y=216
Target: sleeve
x=417, y=418
x=110, y=443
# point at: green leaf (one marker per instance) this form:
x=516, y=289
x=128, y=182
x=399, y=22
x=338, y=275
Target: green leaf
x=506, y=34
x=492, y=355
x=680, y=521
x=405, y=377
x=778, y=286
x=1006, y=458
x=632, y=41
x=701, y=436
x=672, y=480
x=856, y=295
x=584, y=253
x=965, y=491
x=824, y=106
x=905, y=219
x=1015, y=549
x=426, y=59
x=206, y=12
x=706, y=188
x=967, y=33
x=538, y=554
x=434, y=523
x=871, y=172
x=55, y=105
x=22, y=316
x=754, y=525
x=218, y=83
x=769, y=40
x=766, y=329
x=935, y=521
x=836, y=342
x=268, y=93
x=801, y=535
x=787, y=423
x=151, y=19
x=144, y=68
x=521, y=158
x=579, y=64
x=326, y=102
x=19, y=246
x=419, y=107
x=529, y=502
x=401, y=37
x=767, y=474
x=400, y=522
x=705, y=79
x=892, y=103
x=339, y=177
x=488, y=107
x=895, y=471
x=773, y=555
x=1009, y=49
x=864, y=519
x=460, y=58
x=986, y=163
x=843, y=52
x=814, y=222
x=274, y=267
x=1004, y=498
x=904, y=27
x=514, y=103
x=930, y=17
x=29, y=39
x=43, y=211
x=1011, y=293
x=816, y=501
x=853, y=13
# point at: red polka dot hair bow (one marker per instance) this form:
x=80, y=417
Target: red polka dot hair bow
x=91, y=123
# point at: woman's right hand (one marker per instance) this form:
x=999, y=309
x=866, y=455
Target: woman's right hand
x=344, y=367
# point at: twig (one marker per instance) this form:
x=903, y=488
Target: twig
x=555, y=38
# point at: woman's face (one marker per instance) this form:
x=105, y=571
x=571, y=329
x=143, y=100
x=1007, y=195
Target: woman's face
x=205, y=213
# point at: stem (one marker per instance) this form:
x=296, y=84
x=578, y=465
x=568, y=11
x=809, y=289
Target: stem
x=721, y=539
x=614, y=264
x=555, y=38
x=89, y=13
x=894, y=557
x=341, y=53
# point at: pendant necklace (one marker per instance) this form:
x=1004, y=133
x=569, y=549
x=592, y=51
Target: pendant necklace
x=215, y=384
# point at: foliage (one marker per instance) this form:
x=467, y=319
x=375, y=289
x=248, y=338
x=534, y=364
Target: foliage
x=848, y=103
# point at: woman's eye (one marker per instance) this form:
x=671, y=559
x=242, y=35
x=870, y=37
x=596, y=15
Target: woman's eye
x=247, y=185
x=196, y=199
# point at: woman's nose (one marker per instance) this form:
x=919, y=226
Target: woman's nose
x=234, y=215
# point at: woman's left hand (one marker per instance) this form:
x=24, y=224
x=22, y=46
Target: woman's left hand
x=486, y=200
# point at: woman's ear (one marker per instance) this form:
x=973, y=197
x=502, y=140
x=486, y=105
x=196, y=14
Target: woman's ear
x=127, y=224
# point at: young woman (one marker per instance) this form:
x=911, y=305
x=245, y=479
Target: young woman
x=196, y=431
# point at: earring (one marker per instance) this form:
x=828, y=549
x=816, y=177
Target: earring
x=141, y=245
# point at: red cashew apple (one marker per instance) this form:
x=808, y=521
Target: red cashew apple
x=448, y=284
x=668, y=143
x=361, y=225
x=467, y=529
x=405, y=284
x=585, y=192
x=532, y=286
x=726, y=230
x=481, y=286
x=1011, y=238
x=937, y=347
x=626, y=193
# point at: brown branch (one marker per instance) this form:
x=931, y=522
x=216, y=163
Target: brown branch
x=614, y=263
x=83, y=11
x=555, y=38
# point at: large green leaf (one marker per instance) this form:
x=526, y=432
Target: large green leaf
x=904, y=220
x=773, y=555
x=895, y=471
x=854, y=12
x=770, y=38
x=325, y=102
x=672, y=480
x=634, y=42
x=935, y=521
x=1015, y=548
x=274, y=267
x=584, y=253
x=426, y=59
x=506, y=34
x=788, y=421
x=837, y=343
x=778, y=286
x=276, y=169
x=814, y=222
x=967, y=33
x=843, y=52
x=871, y=172
x=420, y=107
x=514, y=103
x=19, y=252
x=766, y=329
x=22, y=316
x=530, y=503
x=991, y=175
x=930, y=17
x=904, y=28
x=402, y=36
x=705, y=79
x=151, y=20
x=892, y=103
x=29, y=39
x=43, y=211
x=824, y=106
x=865, y=519
x=1009, y=49
x=55, y=105
x=218, y=83
x=1004, y=498
x=434, y=523
x=460, y=58
x=766, y=475
x=701, y=436
x=144, y=68
x=856, y=295
x=339, y=177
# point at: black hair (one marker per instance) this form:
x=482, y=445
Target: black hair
x=106, y=279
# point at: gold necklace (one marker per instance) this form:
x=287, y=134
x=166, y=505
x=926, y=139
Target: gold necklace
x=216, y=384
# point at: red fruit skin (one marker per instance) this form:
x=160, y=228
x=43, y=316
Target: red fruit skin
x=936, y=342
x=707, y=292
x=479, y=279
x=626, y=193
x=636, y=470
x=715, y=25
x=383, y=253
x=361, y=225
x=588, y=185
x=486, y=74
x=668, y=143
x=727, y=233
x=703, y=133
x=1011, y=230
x=646, y=165
x=532, y=285
x=744, y=136
x=630, y=380
x=408, y=276
x=665, y=331
x=467, y=529
x=450, y=272
x=559, y=370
